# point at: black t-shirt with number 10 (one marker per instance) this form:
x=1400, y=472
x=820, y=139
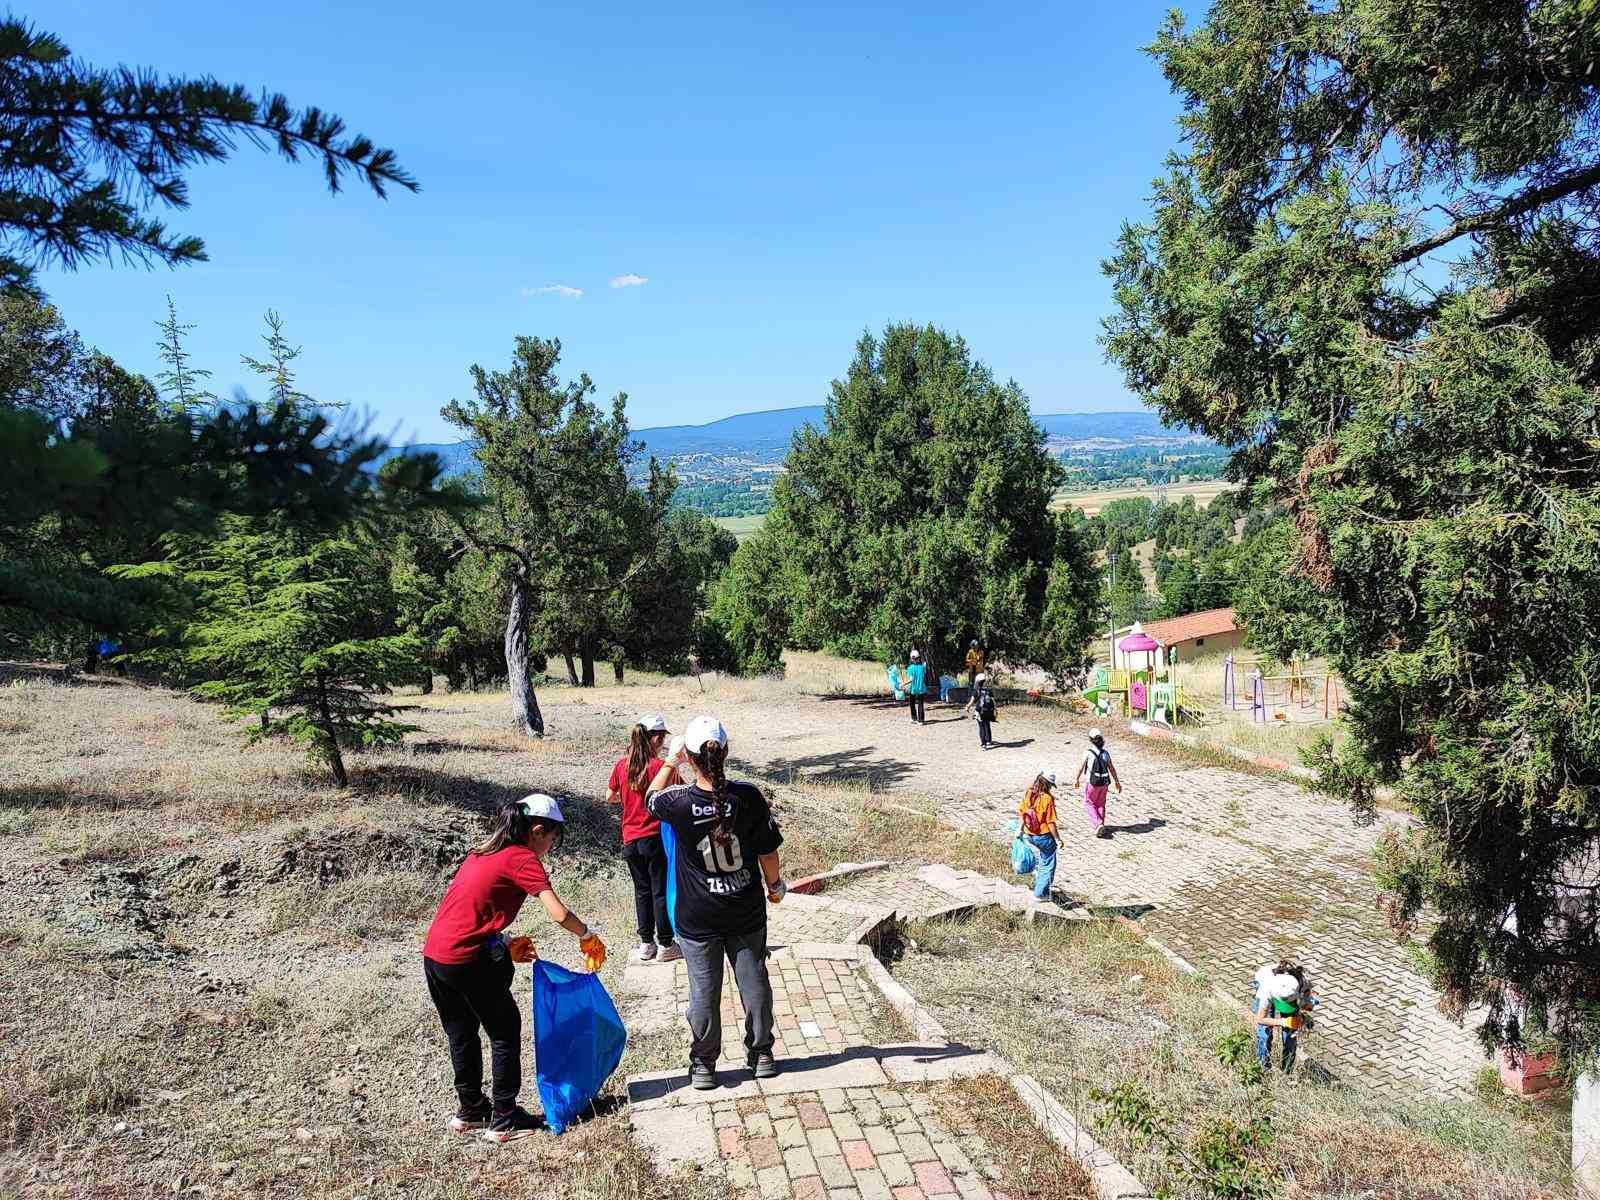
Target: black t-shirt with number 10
x=720, y=888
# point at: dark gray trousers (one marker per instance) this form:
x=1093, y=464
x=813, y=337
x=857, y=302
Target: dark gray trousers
x=704, y=958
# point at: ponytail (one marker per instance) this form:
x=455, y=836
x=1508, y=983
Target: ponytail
x=641, y=749
x=711, y=760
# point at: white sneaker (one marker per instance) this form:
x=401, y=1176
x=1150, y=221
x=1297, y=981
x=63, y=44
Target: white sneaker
x=645, y=952
x=670, y=953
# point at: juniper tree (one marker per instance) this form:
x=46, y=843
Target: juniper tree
x=1373, y=270
x=921, y=510
x=86, y=152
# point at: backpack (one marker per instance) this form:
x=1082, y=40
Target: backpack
x=1099, y=768
x=986, y=705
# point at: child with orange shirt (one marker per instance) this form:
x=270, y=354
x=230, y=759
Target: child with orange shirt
x=1038, y=825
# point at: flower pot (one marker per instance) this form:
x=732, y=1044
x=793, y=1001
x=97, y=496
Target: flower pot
x=1524, y=1074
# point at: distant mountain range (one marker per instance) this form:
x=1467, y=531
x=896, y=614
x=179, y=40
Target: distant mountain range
x=765, y=436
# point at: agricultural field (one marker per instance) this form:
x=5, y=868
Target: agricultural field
x=742, y=527
x=1204, y=492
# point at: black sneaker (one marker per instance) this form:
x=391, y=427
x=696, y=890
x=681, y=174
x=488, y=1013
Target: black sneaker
x=472, y=1117
x=702, y=1075
x=762, y=1065
x=519, y=1124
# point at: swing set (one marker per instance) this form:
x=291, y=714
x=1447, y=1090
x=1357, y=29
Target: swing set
x=1293, y=696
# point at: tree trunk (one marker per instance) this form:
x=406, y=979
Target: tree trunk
x=335, y=759
x=91, y=659
x=524, y=704
x=587, y=655
x=572, y=668
x=616, y=669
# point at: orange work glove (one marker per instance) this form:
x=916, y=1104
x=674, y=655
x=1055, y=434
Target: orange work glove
x=594, y=952
x=522, y=950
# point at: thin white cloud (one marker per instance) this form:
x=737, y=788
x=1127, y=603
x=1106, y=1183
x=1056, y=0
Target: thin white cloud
x=630, y=280
x=554, y=289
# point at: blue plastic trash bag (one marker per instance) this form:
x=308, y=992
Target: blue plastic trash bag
x=577, y=1040
x=669, y=847
x=1024, y=859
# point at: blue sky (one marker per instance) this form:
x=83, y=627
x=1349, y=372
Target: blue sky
x=781, y=177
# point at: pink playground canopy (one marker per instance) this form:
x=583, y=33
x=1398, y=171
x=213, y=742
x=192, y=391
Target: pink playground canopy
x=1138, y=641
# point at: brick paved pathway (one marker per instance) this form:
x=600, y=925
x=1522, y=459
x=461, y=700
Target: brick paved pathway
x=847, y=1119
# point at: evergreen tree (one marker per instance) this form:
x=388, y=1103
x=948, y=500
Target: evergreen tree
x=181, y=382
x=921, y=511
x=559, y=510
x=1371, y=270
x=282, y=636
x=85, y=152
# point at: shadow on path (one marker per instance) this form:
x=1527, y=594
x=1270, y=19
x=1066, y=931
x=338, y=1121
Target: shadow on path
x=1148, y=825
x=856, y=763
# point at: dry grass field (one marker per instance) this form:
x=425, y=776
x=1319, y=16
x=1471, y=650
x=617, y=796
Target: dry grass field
x=1092, y=1006
x=1093, y=501
x=211, y=982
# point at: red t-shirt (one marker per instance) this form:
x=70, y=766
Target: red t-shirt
x=485, y=896
x=636, y=819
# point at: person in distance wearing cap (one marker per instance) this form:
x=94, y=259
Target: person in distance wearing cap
x=641, y=838
x=1102, y=774
x=725, y=869
x=468, y=962
x=917, y=688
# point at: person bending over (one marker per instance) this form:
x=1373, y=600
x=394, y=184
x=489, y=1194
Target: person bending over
x=467, y=961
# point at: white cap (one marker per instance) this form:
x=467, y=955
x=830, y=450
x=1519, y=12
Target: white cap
x=1283, y=987
x=702, y=730
x=540, y=805
x=982, y=678
x=1094, y=733
x=653, y=723
x=916, y=656
x=1049, y=777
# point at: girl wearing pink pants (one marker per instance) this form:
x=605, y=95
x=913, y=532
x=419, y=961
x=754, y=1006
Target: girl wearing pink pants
x=1102, y=773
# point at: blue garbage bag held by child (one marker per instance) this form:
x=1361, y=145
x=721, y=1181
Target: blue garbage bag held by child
x=578, y=1040
x=1024, y=858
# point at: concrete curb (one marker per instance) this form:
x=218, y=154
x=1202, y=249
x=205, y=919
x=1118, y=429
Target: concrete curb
x=1109, y=1178
x=810, y=885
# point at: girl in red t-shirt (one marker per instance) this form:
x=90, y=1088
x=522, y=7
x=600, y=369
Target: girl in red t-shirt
x=468, y=962
x=641, y=838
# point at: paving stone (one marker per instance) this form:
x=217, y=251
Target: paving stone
x=676, y=1135
x=857, y=1155
x=823, y=1141
x=833, y=1099
x=812, y=1114
x=810, y=1188
x=917, y=1148
x=881, y=1139
x=799, y=1162
x=834, y=1173
x=764, y=1152
x=789, y=1132
x=896, y=1169
x=774, y=1184
x=934, y=1180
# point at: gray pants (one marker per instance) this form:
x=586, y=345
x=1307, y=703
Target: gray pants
x=748, y=954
